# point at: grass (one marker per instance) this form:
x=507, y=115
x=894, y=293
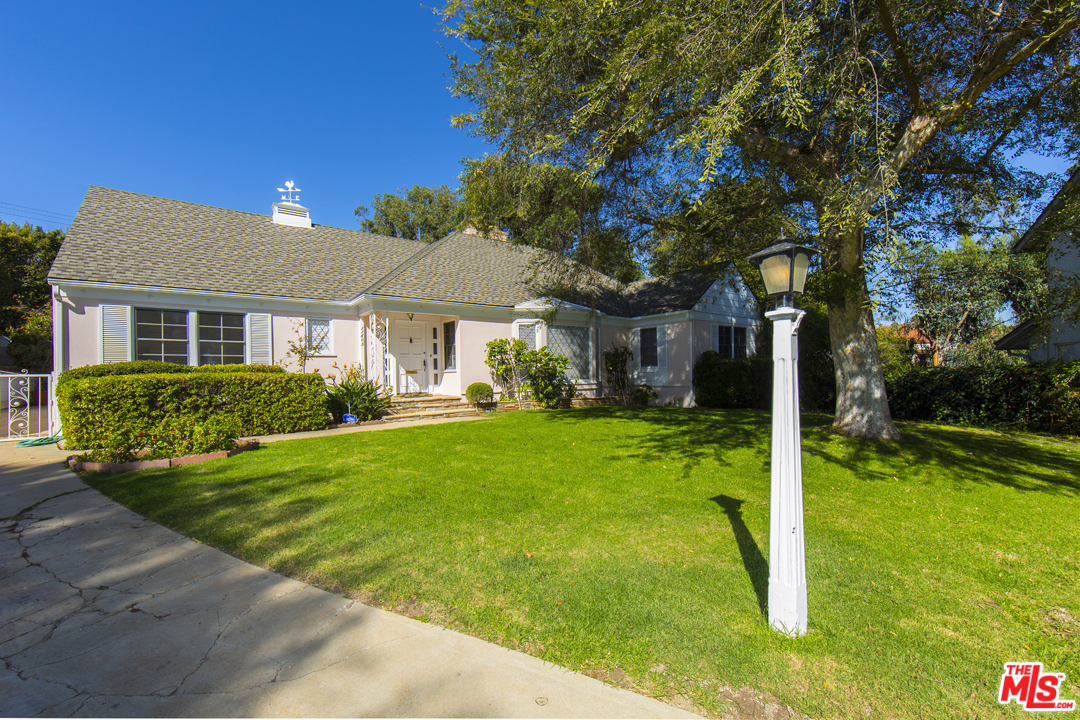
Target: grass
x=631, y=543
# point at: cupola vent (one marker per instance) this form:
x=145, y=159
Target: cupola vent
x=289, y=211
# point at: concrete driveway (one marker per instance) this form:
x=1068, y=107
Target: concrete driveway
x=104, y=613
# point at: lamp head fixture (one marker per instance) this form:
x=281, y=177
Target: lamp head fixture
x=410, y=315
x=783, y=269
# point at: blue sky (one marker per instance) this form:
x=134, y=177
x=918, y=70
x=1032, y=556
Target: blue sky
x=220, y=103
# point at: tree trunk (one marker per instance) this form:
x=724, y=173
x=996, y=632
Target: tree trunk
x=862, y=408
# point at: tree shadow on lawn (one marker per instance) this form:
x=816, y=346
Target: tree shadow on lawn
x=958, y=455
x=686, y=436
x=930, y=454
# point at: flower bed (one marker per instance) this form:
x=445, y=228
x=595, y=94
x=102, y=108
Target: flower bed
x=85, y=466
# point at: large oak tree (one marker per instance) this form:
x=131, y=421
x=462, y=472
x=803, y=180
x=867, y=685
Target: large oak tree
x=714, y=123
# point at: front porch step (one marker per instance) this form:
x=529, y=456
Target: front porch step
x=410, y=405
x=467, y=411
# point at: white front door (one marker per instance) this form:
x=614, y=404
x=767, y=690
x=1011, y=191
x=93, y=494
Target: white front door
x=410, y=346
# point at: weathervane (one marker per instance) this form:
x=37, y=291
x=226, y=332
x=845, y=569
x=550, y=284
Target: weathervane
x=291, y=189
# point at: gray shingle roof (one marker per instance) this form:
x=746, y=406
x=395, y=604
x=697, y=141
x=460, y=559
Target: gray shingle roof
x=668, y=294
x=127, y=238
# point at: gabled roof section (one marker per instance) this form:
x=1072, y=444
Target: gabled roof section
x=1036, y=237
x=680, y=291
x=127, y=238
x=463, y=267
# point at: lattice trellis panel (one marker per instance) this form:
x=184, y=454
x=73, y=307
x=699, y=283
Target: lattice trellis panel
x=529, y=334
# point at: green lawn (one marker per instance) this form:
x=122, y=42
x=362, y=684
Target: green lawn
x=630, y=543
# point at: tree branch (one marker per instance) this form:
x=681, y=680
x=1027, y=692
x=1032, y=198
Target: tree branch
x=901, y=56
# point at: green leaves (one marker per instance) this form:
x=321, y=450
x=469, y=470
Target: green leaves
x=420, y=213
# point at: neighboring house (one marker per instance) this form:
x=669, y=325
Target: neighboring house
x=1063, y=265
x=141, y=277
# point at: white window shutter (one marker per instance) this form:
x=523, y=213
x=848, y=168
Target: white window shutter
x=259, y=341
x=115, y=333
x=634, y=366
x=715, y=338
x=661, y=355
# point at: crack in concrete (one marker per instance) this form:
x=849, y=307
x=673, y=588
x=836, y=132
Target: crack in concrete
x=25, y=512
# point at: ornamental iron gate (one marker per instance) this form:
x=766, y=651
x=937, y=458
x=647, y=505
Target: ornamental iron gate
x=24, y=406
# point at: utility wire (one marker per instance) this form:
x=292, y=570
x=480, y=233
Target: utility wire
x=36, y=213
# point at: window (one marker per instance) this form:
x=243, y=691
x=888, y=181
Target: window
x=528, y=333
x=221, y=339
x=449, y=341
x=573, y=342
x=740, y=343
x=731, y=341
x=161, y=335
x=318, y=336
x=650, y=356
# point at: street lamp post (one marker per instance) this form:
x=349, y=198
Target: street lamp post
x=783, y=268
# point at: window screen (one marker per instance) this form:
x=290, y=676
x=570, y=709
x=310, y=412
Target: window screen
x=221, y=339
x=726, y=345
x=740, y=343
x=573, y=342
x=161, y=335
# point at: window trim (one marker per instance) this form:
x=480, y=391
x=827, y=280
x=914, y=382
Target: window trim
x=449, y=348
x=329, y=335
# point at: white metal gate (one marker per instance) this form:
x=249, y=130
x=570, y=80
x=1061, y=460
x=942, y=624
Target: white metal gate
x=24, y=406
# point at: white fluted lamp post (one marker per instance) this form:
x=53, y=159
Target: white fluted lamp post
x=783, y=267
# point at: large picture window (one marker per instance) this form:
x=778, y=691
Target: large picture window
x=449, y=340
x=573, y=342
x=221, y=339
x=161, y=335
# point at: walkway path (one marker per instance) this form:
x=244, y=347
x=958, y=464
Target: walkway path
x=104, y=613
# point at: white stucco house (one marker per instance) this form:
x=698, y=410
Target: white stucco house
x=142, y=277
x=1062, y=243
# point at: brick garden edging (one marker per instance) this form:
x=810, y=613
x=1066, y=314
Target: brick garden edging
x=162, y=463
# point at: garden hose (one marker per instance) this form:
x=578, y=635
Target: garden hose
x=40, y=441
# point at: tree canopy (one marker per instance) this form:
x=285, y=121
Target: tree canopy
x=712, y=124
x=958, y=293
x=26, y=254
x=548, y=206
x=419, y=213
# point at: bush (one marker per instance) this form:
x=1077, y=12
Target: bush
x=153, y=367
x=546, y=381
x=128, y=414
x=724, y=383
x=1043, y=397
x=351, y=393
x=479, y=392
x=31, y=340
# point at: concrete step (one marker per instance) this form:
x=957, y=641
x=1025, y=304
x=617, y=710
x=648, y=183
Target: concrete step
x=428, y=414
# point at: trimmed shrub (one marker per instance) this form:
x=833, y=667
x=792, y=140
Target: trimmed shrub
x=129, y=414
x=479, y=392
x=724, y=383
x=153, y=367
x=546, y=381
x=1042, y=397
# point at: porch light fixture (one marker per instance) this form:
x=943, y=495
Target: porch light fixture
x=410, y=315
x=783, y=269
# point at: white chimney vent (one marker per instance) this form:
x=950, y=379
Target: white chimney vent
x=290, y=212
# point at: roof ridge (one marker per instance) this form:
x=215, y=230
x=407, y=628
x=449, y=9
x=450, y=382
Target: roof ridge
x=409, y=261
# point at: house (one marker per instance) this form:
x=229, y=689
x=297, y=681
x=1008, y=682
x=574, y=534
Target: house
x=1056, y=231
x=142, y=277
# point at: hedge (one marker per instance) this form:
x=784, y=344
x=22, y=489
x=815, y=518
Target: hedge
x=153, y=367
x=127, y=414
x=724, y=383
x=1041, y=397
